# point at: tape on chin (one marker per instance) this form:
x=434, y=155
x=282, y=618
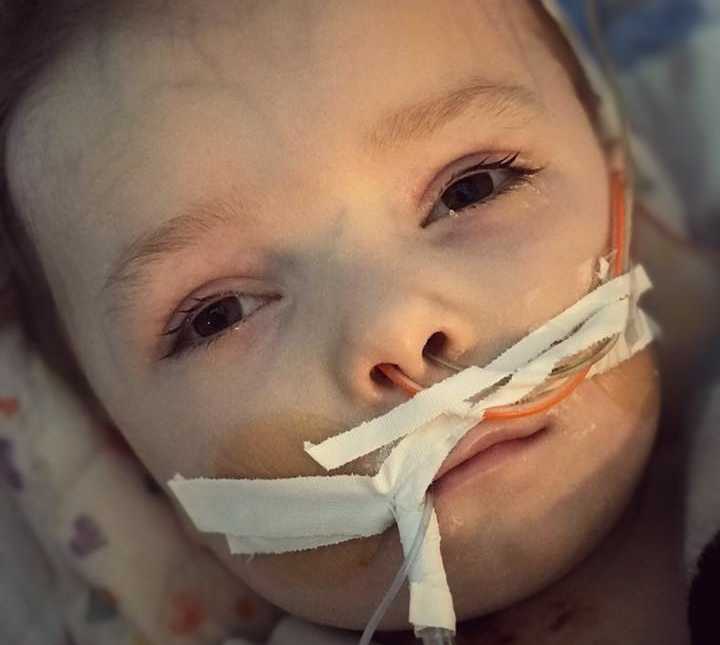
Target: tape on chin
x=281, y=515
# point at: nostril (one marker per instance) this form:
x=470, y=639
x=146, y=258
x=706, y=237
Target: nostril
x=399, y=379
x=436, y=344
x=378, y=377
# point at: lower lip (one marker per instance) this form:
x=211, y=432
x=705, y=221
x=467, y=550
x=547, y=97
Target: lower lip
x=488, y=459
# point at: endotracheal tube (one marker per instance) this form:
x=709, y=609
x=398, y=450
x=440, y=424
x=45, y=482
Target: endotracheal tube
x=430, y=635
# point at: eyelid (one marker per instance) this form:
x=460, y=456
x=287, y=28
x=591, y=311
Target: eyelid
x=505, y=162
x=194, y=308
x=502, y=161
x=213, y=289
x=182, y=315
x=180, y=349
x=466, y=164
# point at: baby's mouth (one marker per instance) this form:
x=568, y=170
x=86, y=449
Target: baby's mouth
x=485, y=435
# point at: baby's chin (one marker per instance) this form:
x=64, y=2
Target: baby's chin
x=510, y=525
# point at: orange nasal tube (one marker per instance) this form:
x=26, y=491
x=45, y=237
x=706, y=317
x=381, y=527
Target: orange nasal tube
x=399, y=378
x=410, y=387
x=617, y=206
x=617, y=235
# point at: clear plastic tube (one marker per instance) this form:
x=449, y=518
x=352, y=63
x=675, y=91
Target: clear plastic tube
x=400, y=576
x=436, y=636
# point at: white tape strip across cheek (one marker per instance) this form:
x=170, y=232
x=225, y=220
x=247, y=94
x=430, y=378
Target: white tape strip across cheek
x=276, y=516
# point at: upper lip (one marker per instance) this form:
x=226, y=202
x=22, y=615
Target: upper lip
x=487, y=434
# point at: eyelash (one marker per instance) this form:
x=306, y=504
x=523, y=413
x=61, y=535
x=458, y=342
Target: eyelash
x=178, y=350
x=520, y=175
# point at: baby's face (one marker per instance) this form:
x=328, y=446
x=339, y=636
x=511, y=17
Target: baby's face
x=244, y=208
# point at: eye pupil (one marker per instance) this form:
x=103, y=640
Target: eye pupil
x=468, y=191
x=218, y=316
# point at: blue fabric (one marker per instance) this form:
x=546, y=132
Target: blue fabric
x=667, y=53
x=635, y=29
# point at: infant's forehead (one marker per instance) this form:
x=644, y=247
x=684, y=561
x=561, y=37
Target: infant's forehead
x=287, y=67
x=153, y=89
x=279, y=53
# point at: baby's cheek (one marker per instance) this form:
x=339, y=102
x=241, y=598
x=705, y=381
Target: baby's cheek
x=629, y=391
x=302, y=581
x=271, y=447
x=319, y=568
x=634, y=387
x=291, y=579
x=335, y=584
x=608, y=427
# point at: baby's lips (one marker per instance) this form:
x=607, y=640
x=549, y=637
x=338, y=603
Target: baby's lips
x=487, y=434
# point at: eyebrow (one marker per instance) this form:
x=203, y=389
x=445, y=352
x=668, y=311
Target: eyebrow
x=177, y=235
x=513, y=103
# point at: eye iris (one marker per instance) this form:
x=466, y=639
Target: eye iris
x=468, y=190
x=218, y=316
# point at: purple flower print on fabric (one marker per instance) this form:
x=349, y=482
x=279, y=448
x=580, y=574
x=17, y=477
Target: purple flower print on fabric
x=87, y=536
x=8, y=470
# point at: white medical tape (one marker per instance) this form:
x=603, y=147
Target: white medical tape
x=240, y=506
x=280, y=515
x=450, y=395
x=431, y=603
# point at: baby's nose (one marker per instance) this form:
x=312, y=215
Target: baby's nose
x=402, y=334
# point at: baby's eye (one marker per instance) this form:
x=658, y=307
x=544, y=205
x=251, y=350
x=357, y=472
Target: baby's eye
x=218, y=316
x=209, y=317
x=478, y=185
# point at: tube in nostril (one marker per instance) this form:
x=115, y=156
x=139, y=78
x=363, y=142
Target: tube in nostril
x=436, y=344
x=400, y=379
x=379, y=378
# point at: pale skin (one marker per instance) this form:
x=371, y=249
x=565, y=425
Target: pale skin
x=275, y=114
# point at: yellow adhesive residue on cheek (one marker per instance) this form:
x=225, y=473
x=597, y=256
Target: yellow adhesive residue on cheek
x=271, y=447
x=613, y=414
x=635, y=386
x=333, y=566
